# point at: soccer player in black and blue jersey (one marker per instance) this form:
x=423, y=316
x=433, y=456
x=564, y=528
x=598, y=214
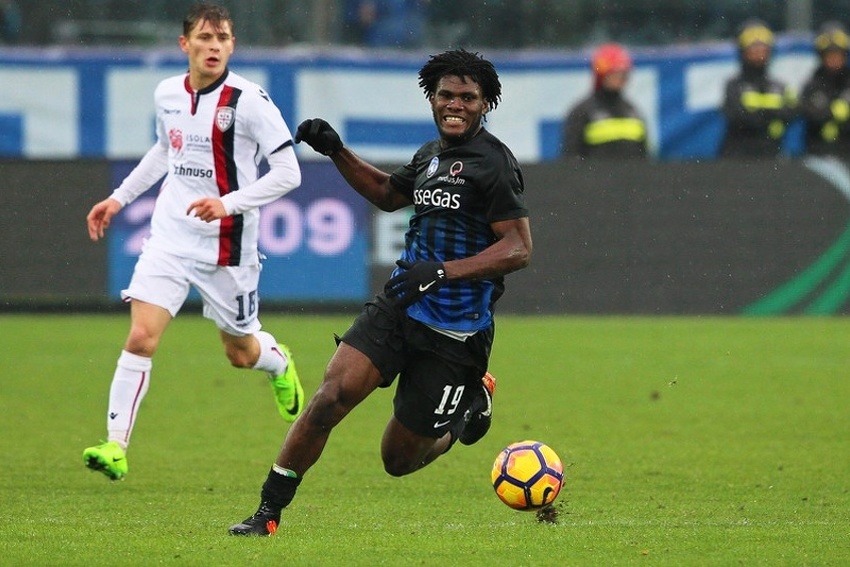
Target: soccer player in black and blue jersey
x=432, y=326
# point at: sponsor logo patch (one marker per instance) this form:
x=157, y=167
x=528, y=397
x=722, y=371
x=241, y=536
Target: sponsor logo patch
x=175, y=138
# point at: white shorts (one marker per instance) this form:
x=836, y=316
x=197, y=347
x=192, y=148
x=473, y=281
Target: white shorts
x=229, y=293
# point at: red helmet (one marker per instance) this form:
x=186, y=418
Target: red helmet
x=609, y=58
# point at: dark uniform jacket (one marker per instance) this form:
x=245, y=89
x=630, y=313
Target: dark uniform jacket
x=758, y=110
x=605, y=125
x=825, y=106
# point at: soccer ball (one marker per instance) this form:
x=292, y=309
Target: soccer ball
x=527, y=475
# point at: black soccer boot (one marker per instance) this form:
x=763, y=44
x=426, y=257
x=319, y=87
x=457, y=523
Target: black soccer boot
x=264, y=522
x=479, y=416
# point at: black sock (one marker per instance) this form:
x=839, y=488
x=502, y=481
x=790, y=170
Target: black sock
x=454, y=433
x=279, y=490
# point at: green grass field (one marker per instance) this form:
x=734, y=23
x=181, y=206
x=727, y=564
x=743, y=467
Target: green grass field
x=687, y=441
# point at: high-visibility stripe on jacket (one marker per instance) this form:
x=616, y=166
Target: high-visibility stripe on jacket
x=614, y=129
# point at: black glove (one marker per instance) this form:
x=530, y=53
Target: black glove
x=417, y=279
x=319, y=135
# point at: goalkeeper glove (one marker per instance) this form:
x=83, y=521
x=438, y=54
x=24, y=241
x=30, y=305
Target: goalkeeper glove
x=417, y=279
x=319, y=135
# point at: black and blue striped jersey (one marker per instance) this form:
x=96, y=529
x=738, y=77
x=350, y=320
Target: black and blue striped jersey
x=457, y=193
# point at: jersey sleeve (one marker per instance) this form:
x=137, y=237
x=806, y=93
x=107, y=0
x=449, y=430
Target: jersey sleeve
x=404, y=178
x=266, y=124
x=153, y=165
x=158, y=98
x=503, y=187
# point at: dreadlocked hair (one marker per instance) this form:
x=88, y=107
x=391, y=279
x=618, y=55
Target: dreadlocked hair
x=462, y=63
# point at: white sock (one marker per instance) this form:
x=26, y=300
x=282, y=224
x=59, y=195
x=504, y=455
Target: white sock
x=130, y=383
x=271, y=359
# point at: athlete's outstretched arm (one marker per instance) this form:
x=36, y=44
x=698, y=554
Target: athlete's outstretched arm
x=369, y=181
x=149, y=170
x=365, y=178
x=283, y=176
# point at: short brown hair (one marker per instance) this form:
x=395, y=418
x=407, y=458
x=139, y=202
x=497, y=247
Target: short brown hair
x=201, y=12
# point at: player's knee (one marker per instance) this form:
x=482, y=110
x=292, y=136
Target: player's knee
x=326, y=408
x=401, y=462
x=398, y=465
x=141, y=342
x=400, y=459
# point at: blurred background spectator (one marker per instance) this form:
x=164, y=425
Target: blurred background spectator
x=11, y=23
x=757, y=107
x=605, y=124
x=825, y=102
x=471, y=23
x=384, y=23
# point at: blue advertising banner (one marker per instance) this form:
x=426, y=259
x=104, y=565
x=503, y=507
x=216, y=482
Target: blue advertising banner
x=314, y=239
x=97, y=104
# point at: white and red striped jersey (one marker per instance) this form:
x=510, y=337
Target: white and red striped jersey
x=215, y=139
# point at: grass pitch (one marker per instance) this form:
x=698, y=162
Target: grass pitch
x=687, y=441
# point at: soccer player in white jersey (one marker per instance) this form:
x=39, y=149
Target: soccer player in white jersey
x=213, y=127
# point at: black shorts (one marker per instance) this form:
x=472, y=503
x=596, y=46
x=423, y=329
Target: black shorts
x=438, y=375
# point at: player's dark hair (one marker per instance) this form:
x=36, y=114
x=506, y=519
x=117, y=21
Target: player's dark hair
x=202, y=12
x=462, y=63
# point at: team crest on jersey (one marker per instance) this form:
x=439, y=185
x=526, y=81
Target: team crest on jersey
x=456, y=168
x=224, y=117
x=432, y=167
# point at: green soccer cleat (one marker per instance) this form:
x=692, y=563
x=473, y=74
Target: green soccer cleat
x=288, y=392
x=108, y=458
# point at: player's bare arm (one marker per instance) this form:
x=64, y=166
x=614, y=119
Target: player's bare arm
x=100, y=216
x=366, y=179
x=369, y=181
x=511, y=252
x=207, y=209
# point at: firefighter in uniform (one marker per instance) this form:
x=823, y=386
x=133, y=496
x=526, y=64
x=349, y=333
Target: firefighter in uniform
x=825, y=102
x=605, y=124
x=757, y=107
